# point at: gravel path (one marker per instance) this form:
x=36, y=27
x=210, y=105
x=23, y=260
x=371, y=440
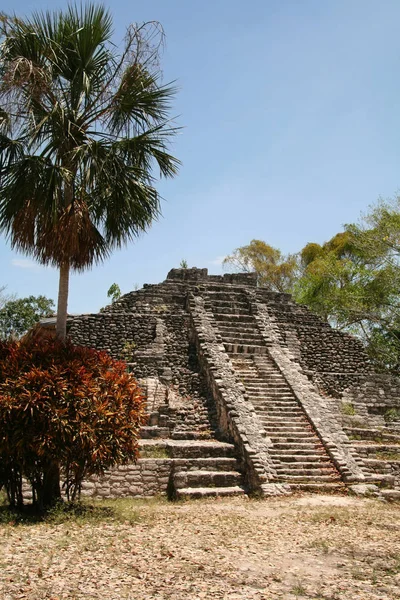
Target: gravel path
x=317, y=547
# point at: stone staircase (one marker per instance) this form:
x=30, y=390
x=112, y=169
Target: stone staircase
x=199, y=465
x=199, y=468
x=299, y=457
x=298, y=454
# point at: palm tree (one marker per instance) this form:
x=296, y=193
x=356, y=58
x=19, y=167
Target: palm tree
x=82, y=128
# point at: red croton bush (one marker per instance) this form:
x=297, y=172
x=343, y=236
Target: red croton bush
x=66, y=412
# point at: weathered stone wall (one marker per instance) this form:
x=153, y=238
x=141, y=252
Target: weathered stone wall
x=149, y=328
x=113, y=331
x=376, y=397
x=148, y=477
x=319, y=348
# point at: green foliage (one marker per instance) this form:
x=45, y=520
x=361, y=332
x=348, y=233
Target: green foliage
x=348, y=409
x=114, y=292
x=17, y=316
x=352, y=281
x=183, y=264
x=274, y=270
x=392, y=415
x=65, y=412
x=128, y=350
x=333, y=280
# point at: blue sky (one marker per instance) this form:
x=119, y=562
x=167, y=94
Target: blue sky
x=291, y=119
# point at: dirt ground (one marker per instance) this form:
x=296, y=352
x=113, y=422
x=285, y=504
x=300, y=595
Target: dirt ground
x=319, y=547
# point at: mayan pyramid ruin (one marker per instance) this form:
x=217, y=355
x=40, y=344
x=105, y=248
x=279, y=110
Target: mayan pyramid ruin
x=247, y=392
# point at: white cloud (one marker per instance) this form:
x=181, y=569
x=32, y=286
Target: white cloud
x=25, y=263
x=217, y=261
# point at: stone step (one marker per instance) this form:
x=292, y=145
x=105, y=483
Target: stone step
x=235, y=332
x=254, y=377
x=303, y=459
x=202, y=479
x=273, y=398
x=371, y=448
x=306, y=471
x=230, y=309
x=273, y=393
x=226, y=328
x=153, y=431
x=298, y=453
x=322, y=488
x=234, y=318
x=279, y=438
x=249, y=340
x=252, y=380
x=239, y=325
x=245, y=348
x=295, y=421
x=296, y=445
x=377, y=464
x=274, y=388
x=263, y=383
x=282, y=411
x=283, y=430
x=284, y=427
x=190, y=493
x=363, y=433
x=272, y=421
x=305, y=479
x=228, y=300
x=185, y=434
x=205, y=464
x=380, y=479
x=244, y=360
x=191, y=448
x=225, y=291
x=391, y=495
x=267, y=408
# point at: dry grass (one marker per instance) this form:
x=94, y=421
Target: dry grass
x=331, y=548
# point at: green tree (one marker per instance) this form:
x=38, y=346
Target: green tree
x=353, y=281
x=377, y=236
x=82, y=128
x=17, y=316
x=332, y=280
x=114, y=292
x=275, y=270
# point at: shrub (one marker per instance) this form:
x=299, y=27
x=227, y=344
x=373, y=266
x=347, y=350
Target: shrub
x=348, y=409
x=65, y=413
x=392, y=415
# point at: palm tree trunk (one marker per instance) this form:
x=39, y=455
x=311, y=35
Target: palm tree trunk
x=61, y=325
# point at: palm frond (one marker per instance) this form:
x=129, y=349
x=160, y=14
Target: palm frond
x=139, y=102
x=88, y=131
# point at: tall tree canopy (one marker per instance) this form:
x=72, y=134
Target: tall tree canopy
x=275, y=270
x=82, y=128
x=19, y=315
x=352, y=281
